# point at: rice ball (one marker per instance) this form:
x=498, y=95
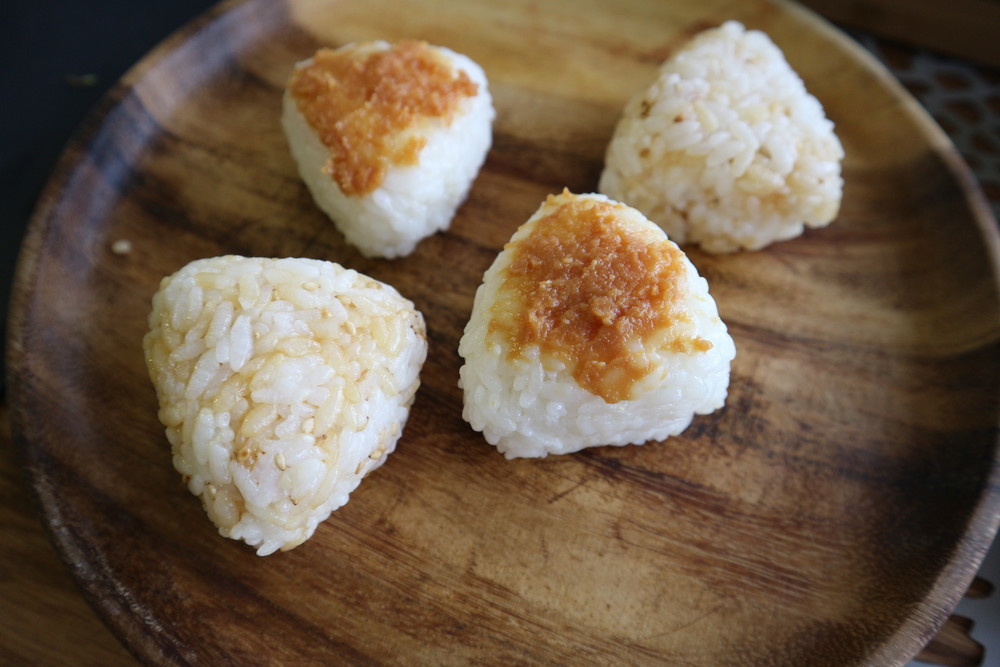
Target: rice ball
x=590, y=328
x=388, y=138
x=726, y=148
x=281, y=384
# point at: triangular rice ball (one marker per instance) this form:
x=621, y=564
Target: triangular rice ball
x=281, y=383
x=590, y=328
x=726, y=148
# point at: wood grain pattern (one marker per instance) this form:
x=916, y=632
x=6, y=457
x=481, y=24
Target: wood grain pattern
x=45, y=620
x=833, y=513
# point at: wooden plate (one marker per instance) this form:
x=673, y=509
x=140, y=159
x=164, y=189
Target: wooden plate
x=832, y=513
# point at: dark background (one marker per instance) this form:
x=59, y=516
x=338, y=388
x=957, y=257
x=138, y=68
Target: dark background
x=57, y=59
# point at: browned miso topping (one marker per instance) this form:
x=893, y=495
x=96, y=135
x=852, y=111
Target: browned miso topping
x=360, y=104
x=588, y=288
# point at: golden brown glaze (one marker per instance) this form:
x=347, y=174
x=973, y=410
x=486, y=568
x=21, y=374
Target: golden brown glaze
x=362, y=104
x=591, y=289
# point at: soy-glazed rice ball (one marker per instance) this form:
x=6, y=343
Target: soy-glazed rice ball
x=726, y=148
x=590, y=328
x=281, y=383
x=388, y=138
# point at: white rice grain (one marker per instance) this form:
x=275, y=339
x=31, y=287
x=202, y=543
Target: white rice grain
x=726, y=148
x=254, y=405
x=413, y=201
x=528, y=402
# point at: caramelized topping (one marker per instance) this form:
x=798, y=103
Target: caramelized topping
x=360, y=104
x=592, y=292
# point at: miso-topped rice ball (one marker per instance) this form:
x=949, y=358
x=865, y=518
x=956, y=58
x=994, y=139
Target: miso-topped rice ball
x=726, y=148
x=388, y=138
x=282, y=383
x=590, y=328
